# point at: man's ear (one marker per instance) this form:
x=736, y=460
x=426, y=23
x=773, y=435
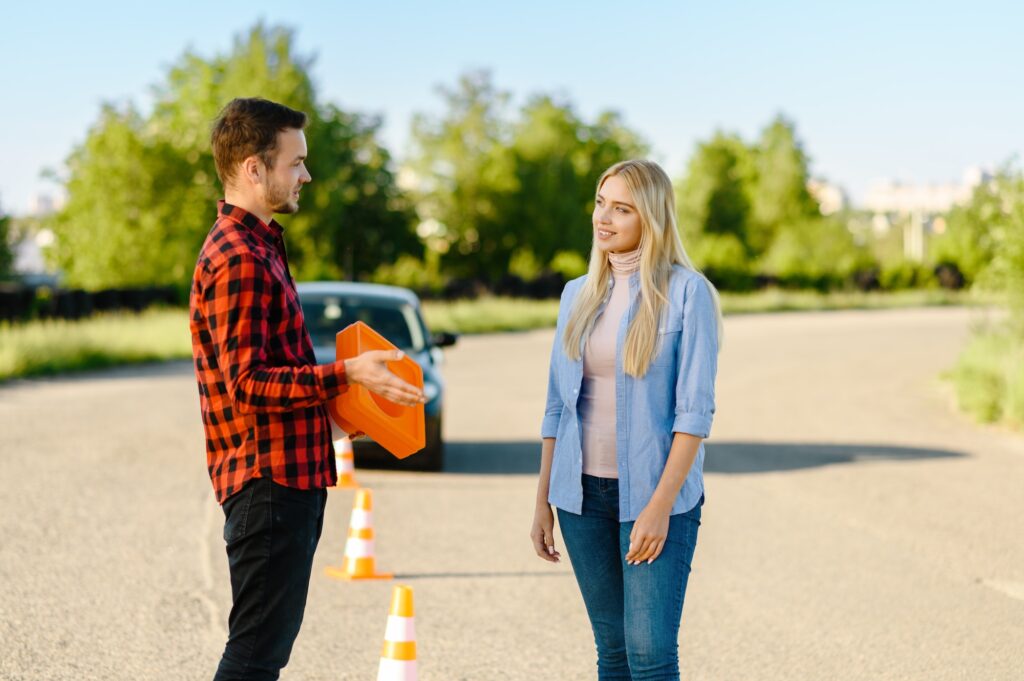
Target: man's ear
x=252, y=170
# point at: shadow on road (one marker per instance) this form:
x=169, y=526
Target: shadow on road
x=523, y=458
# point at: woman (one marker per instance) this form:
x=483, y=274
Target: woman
x=631, y=393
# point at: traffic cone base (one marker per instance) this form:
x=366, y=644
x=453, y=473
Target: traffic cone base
x=356, y=569
x=397, y=670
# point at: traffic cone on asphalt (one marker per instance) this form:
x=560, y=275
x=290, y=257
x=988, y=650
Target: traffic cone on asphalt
x=398, y=658
x=359, y=562
x=346, y=462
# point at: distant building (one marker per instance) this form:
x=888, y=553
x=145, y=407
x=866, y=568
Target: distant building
x=830, y=197
x=29, y=261
x=919, y=207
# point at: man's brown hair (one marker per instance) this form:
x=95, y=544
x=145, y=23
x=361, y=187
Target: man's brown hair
x=247, y=127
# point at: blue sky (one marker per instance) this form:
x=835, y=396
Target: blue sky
x=915, y=91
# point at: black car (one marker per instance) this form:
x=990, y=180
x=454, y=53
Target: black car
x=394, y=313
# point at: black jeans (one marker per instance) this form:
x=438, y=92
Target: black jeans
x=271, y=533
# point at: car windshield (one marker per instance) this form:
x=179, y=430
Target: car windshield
x=397, y=321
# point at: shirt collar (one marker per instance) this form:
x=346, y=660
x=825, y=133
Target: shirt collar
x=271, y=233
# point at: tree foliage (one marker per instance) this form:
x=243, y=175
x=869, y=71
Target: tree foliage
x=496, y=191
x=6, y=247
x=142, y=189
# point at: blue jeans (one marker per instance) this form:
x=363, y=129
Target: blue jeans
x=634, y=610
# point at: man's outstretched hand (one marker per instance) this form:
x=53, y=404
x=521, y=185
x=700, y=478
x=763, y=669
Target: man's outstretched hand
x=370, y=370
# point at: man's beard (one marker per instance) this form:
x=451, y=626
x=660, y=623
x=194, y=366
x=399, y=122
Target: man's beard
x=279, y=198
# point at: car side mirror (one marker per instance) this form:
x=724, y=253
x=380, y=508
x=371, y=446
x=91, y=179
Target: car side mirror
x=445, y=339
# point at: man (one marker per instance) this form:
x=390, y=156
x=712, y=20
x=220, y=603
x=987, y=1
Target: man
x=268, y=437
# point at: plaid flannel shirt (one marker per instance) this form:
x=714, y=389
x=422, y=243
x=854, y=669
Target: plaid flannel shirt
x=261, y=392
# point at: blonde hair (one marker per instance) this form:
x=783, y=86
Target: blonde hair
x=660, y=249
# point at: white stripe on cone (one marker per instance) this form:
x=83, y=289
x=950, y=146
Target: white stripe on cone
x=358, y=548
x=396, y=670
x=400, y=629
x=361, y=519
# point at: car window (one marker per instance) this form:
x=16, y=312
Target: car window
x=327, y=315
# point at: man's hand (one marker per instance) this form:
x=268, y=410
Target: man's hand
x=370, y=370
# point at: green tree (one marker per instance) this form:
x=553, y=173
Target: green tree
x=558, y=158
x=817, y=252
x=462, y=167
x=975, y=230
x=713, y=198
x=713, y=207
x=779, y=195
x=1002, y=231
x=141, y=190
x=494, y=190
x=6, y=247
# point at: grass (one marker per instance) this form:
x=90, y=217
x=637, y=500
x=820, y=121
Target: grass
x=50, y=347
x=56, y=346
x=488, y=315
x=780, y=300
x=989, y=377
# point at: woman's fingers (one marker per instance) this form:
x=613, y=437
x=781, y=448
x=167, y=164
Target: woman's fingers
x=637, y=546
x=652, y=550
x=544, y=544
x=645, y=548
x=657, y=551
x=549, y=544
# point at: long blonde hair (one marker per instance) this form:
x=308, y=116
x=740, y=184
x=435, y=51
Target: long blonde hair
x=660, y=249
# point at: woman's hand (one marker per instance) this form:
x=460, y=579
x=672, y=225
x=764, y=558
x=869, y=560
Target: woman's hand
x=543, y=533
x=649, y=533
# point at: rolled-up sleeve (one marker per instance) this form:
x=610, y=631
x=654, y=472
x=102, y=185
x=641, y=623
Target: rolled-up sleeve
x=698, y=361
x=553, y=404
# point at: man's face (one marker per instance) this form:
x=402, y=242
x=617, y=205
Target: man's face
x=283, y=182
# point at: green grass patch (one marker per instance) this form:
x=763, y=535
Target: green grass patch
x=490, y=315
x=50, y=347
x=781, y=300
x=989, y=377
x=46, y=347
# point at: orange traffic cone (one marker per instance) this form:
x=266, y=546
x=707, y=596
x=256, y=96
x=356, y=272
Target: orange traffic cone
x=398, y=659
x=396, y=428
x=359, y=553
x=345, y=460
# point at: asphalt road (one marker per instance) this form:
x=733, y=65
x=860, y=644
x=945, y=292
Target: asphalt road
x=856, y=526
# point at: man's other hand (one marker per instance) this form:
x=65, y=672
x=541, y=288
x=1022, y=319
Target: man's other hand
x=370, y=370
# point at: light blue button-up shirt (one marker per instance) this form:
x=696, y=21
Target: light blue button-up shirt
x=677, y=394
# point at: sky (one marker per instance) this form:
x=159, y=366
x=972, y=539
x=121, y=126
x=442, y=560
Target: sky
x=909, y=91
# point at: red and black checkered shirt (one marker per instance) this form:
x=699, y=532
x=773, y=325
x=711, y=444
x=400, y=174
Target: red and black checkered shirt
x=261, y=392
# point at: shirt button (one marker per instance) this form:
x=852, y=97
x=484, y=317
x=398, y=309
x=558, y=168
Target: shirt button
x=575, y=390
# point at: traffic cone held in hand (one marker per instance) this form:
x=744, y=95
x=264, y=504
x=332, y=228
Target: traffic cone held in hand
x=397, y=428
x=398, y=658
x=359, y=560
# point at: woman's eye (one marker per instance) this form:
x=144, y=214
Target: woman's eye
x=621, y=209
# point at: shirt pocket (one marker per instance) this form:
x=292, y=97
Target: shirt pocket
x=667, y=349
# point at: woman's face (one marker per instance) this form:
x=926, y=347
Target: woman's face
x=616, y=222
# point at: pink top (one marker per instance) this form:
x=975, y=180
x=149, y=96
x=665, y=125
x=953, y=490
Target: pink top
x=597, y=398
